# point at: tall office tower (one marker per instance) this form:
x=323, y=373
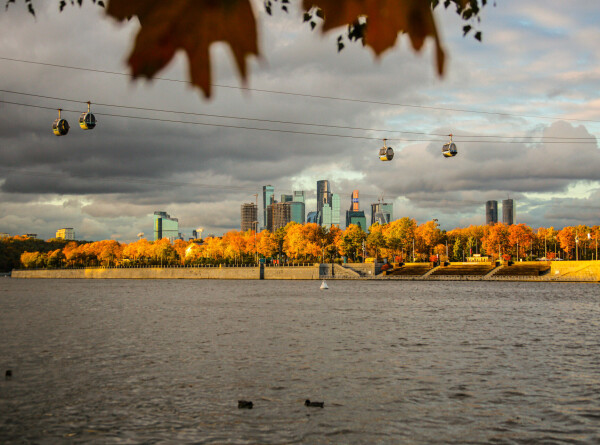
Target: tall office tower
x=287, y=198
x=356, y=217
x=278, y=216
x=335, y=209
x=491, y=212
x=268, y=199
x=382, y=212
x=330, y=215
x=299, y=196
x=165, y=226
x=323, y=194
x=313, y=218
x=354, y=206
x=508, y=212
x=297, y=211
x=249, y=217
x=66, y=233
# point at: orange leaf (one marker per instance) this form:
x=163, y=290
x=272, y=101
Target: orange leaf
x=191, y=25
x=385, y=19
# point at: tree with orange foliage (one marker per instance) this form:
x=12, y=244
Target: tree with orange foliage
x=566, y=239
x=495, y=240
x=427, y=235
x=521, y=238
x=267, y=244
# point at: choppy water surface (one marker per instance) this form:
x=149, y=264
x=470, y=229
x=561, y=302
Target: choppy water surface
x=432, y=362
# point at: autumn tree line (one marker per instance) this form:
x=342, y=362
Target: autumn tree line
x=402, y=240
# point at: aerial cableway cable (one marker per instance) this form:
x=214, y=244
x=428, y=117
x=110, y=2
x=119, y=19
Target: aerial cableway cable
x=280, y=130
x=313, y=96
x=275, y=121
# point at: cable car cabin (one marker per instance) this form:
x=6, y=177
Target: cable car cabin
x=386, y=153
x=449, y=150
x=60, y=127
x=87, y=121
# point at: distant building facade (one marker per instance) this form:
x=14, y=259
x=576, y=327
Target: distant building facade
x=268, y=199
x=299, y=196
x=297, y=211
x=491, y=212
x=382, y=212
x=249, y=217
x=508, y=212
x=287, y=198
x=313, y=218
x=323, y=194
x=357, y=218
x=165, y=227
x=278, y=216
x=66, y=233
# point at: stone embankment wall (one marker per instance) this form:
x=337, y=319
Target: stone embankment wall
x=217, y=273
x=575, y=270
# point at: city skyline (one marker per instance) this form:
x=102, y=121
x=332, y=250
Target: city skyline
x=530, y=82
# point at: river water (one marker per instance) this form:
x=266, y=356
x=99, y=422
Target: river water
x=131, y=361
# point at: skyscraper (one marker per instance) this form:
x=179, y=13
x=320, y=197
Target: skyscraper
x=382, y=212
x=491, y=212
x=287, y=198
x=297, y=211
x=299, y=196
x=354, y=206
x=508, y=212
x=66, y=233
x=165, y=227
x=335, y=209
x=268, y=199
x=323, y=194
x=249, y=217
x=278, y=215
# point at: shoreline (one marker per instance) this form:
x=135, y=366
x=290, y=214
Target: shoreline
x=572, y=271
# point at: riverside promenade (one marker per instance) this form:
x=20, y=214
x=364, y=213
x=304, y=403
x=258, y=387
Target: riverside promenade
x=550, y=271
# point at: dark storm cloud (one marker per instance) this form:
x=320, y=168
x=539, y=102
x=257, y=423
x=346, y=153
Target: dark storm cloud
x=115, y=176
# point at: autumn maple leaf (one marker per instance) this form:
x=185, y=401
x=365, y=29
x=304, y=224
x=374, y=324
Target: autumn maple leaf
x=190, y=25
x=385, y=19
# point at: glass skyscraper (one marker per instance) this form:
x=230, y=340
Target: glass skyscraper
x=323, y=194
x=297, y=211
x=382, y=212
x=299, y=196
x=268, y=199
x=165, y=227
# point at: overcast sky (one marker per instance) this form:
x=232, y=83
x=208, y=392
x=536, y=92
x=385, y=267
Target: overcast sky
x=538, y=65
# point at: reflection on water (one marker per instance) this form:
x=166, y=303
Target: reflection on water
x=420, y=362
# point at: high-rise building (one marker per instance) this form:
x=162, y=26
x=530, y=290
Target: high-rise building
x=66, y=233
x=358, y=218
x=354, y=204
x=299, y=196
x=508, y=212
x=330, y=214
x=268, y=199
x=165, y=227
x=491, y=212
x=313, y=217
x=323, y=194
x=278, y=216
x=287, y=198
x=382, y=212
x=335, y=209
x=249, y=217
x=297, y=211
